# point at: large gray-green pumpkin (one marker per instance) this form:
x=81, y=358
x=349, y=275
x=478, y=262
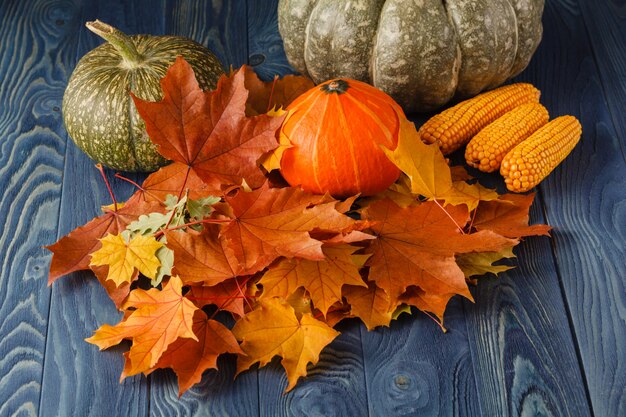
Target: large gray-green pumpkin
x=98, y=111
x=423, y=53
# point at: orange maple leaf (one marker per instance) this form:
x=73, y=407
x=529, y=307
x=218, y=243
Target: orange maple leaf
x=273, y=329
x=208, y=132
x=322, y=279
x=274, y=222
x=371, y=304
x=204, y=257
x=161, y=317
x=509, y=216
x=415, y=246
x=268, y=95
x=189, y=358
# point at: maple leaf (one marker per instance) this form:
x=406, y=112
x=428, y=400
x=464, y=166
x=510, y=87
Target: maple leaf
x=427, y=302
x=423, y=164
x=371, y=304
x=72, y=252
x=208, y=132
x=228, y=295
x=274, y=330
x=189, y=358
x=417, y=246
x=161, y=317
x=279, y=93
x=174, y=179
x=123, y=257
x=469, y=194
x=509, y=216
x=274, y=222
x=482, y=263
x=204, y=257
x=322, y=279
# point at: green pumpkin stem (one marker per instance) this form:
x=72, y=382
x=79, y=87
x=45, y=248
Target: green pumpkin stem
x=122, y=43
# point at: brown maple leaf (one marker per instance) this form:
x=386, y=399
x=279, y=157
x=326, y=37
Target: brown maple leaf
x=73, y=251
x=274, y=330
x=228, y=295
x=509, y=216
x=274, y=222
x=189, y=358
x=160, y=318
x=209, y=131
x=416, y=246
x=279, y=93
x=322, y=279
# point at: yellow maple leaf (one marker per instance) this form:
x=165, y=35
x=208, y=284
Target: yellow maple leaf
x=271, y=160
x=273, y=329
x=123, y=257
x=424, y=164
x=161, y=317
x=469, y=194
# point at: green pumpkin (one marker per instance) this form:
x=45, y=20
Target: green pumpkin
x=423, y=53
x=98, y=111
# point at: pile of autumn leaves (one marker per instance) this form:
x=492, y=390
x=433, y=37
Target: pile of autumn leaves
x=215, y=233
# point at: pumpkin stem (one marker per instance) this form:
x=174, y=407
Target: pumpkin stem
x=122, y=43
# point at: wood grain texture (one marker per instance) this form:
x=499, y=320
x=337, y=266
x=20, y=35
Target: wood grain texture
x=334, y=387
x=219, y=25
x=415, y=369
x=265, y=45
x=35, y=60
x=606, y=27
x=522, y=349
x=78, y=379
x=584, y=201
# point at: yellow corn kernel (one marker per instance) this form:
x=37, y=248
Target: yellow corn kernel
x=454, y=127
x=528, y=163
x=486, y=150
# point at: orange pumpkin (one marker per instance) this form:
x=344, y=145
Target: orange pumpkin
x=336, y=130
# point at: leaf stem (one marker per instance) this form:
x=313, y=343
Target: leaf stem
x=449, y=216
x=123, y=178
x=269, y=103
x=469, y=230
x=106, y=181
x=182, y=226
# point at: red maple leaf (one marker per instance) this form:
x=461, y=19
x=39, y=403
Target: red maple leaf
x=208, y=131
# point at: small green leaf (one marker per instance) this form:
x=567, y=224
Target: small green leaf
x=199, y=209
x=166, y=256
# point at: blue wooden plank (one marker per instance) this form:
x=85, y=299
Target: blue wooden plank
x=35, y=59
x=584, y=197
x=78, y=379
x=217, y=25
x=333, y=387
x=524, y=357
x=414, y=369
x=606, y=27
x=265, y=46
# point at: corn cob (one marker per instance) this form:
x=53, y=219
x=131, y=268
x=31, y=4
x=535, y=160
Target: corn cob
x=486, y=150
x=527, y=164
x=454, y=127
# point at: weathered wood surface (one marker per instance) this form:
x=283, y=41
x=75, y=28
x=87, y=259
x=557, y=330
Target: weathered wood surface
x=548, y=338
